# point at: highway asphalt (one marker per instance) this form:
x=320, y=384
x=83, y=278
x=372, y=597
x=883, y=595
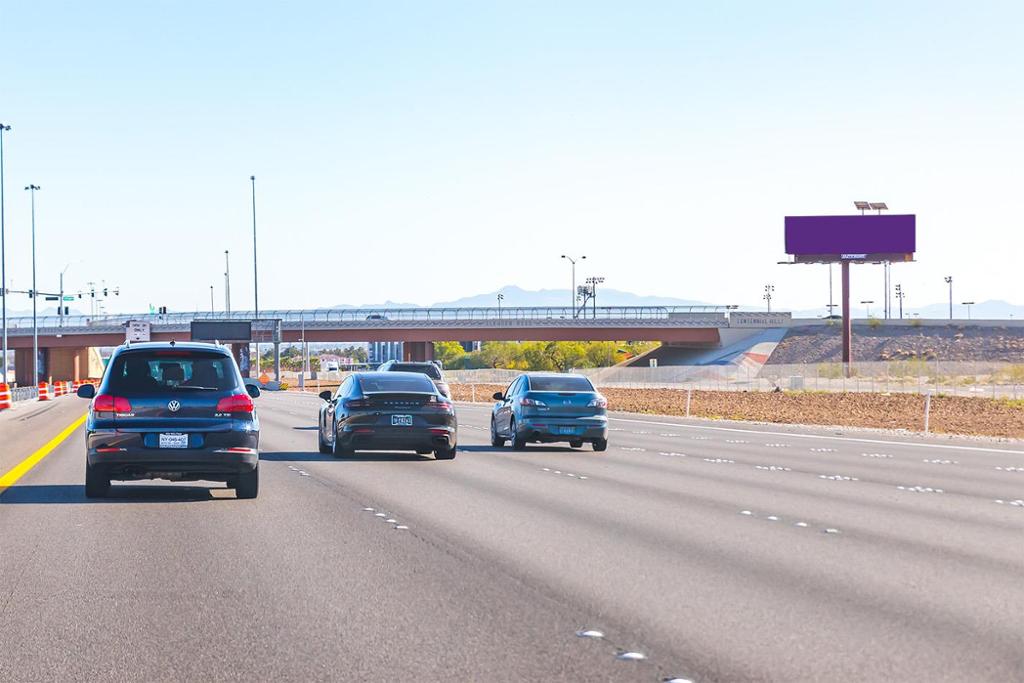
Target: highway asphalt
x=699, y=550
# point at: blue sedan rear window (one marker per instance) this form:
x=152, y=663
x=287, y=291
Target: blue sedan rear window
x=561, y=383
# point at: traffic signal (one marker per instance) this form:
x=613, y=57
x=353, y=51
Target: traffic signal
x=104, y=291
x=163, y=310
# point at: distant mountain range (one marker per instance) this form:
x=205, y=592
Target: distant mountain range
x=517, y=296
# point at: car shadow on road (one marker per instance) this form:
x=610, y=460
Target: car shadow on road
x=312, y=428
x=74, y=494
x=484, y=448
x=360, y=456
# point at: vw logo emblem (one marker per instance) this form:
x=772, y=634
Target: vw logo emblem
x=174, y=406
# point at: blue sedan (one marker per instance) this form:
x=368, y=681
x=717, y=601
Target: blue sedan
x=548, y=408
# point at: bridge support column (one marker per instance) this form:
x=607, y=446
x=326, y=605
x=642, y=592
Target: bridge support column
x=277, y=361
x=23, y=367
x=74, y=363
x=418, y=351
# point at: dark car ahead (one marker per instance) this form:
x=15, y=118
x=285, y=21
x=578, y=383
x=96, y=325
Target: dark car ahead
x=548, y=408
x=176, y=411
x=428, y=368
x=388, y=411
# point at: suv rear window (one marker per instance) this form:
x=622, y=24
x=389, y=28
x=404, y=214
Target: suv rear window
x=428, y=369
x=384, y=383
x=158, y=371
x=562, y=383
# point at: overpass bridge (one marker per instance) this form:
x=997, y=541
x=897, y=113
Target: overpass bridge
x=63, y=339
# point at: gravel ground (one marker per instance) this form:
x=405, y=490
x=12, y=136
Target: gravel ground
x=949, y=415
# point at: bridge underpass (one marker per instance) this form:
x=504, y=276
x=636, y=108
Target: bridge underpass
x=64, y=342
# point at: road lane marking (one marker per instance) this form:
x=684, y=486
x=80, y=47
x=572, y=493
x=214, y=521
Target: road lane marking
x=22, y=468
x=794, y=435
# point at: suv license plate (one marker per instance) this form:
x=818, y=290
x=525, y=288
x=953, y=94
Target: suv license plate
x=174, y=441
x=401, y=420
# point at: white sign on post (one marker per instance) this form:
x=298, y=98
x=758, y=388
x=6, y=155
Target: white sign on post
x=136, y=331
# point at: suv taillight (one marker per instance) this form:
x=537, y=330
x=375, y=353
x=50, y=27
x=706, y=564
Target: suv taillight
x=236, y=403
x=106, y=403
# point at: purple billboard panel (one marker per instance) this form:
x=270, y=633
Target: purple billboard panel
x=857, y=237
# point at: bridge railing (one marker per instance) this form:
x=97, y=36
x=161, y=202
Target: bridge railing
x=293, y=317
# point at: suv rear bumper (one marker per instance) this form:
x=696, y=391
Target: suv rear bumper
x=123, y=456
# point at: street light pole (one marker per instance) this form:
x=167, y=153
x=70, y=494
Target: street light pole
x=211, y=299
x=968, y=304
x=768, y=289
x=572, y=294
x=227, y=282
x=255, y=271
x=949, y=281
x=3, y=247
x=899, y=297
x=35, y=326
x=501, y=297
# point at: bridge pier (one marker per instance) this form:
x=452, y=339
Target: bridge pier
x=418, y=351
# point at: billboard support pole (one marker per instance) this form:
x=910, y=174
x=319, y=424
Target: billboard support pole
x=847, y=323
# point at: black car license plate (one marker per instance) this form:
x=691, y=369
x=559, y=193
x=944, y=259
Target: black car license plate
x=401, y=420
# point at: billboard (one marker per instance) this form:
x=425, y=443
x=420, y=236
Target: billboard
x=222, y=330
x=891, y=237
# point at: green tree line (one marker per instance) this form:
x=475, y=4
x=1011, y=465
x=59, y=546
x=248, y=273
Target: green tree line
x=557, y=356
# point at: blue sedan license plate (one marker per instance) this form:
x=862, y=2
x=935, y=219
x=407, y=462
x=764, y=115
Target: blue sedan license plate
x=566, y=430
x=401, y=420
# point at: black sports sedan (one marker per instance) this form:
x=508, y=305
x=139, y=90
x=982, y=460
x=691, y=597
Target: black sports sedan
x=550, y=407
x=176, y=411
x=388, y=411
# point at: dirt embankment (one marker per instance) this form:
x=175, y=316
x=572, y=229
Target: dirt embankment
x=819, y=344
x=949, y=415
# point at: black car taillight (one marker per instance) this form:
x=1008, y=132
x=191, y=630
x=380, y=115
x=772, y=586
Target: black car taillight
x=356, y=404
x=438, y=403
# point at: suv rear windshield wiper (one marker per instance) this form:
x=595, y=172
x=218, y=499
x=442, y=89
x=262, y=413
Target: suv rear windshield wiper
x=192, y=387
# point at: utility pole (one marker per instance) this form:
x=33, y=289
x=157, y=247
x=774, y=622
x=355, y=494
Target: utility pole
x=3, y=247
x=227, y=282
x=594, y=282
x=35, y=320
x=899, y=297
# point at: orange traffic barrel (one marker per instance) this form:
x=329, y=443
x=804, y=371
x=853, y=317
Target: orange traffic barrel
x=44, y=391
x=58, y=389
x=5, y=396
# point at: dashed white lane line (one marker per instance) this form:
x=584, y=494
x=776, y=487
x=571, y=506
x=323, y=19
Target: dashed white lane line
x=920, y=489
x=776, y=445
x=941, y=462
x=776, y=518
x=672, y=454
x=823, y=450
x=632, y=448
x=823, y=437
x=720, y=461
x=571, y=475
x=1015, y=503
x=772, y=468
x=837, y=477
x=1010, y=469
x=386, y=518
x=875, y=455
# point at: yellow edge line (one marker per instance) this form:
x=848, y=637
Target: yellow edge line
x=23, y=467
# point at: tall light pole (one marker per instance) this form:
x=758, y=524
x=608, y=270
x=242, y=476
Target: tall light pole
x=35, y=327
x=949, y=281
x=572, y=293
x=255, y=270
x=968, y=304
x=3, y=247
x=227, y=282
x=594, y=282
x=768, y=291
x=211, y=299
x=501, y=297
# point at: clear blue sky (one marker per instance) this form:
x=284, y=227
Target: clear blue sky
x=419, y=151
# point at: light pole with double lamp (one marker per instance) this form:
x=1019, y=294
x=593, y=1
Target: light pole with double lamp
x=572, y=292
x=768, y=291
x=3, y=247
x=255, y=270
